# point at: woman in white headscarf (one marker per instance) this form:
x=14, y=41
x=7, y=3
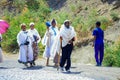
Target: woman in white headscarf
x=52, y=33
x=1, y=55
x=36, y=39
x=25, y=44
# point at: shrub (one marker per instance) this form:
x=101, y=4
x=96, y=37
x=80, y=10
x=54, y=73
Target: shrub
x=112, y=55
x=115, y=16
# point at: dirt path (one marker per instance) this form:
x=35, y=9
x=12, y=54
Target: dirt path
x=10, y=69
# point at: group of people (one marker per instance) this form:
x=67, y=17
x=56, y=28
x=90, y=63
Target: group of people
x=28, y=43
x=58, y=44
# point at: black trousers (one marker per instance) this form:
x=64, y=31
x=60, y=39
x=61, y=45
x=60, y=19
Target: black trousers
x=66, y=56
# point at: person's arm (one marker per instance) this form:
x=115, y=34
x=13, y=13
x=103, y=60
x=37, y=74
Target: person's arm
x=94, y=38
x=61, y=41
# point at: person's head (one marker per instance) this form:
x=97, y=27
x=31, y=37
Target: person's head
x=31, y=25
x=98, y=24
x=67, y=23
x=53, y=23
x=48, y=24
x=23, y=26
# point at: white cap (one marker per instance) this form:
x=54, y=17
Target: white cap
x=23, y=24
x=66, y=21
x=32, y=23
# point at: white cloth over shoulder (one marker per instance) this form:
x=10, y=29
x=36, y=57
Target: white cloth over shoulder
x=48, y=40
x=34, y=32
x=25, y=52
x=56, y=48
x=67, y=34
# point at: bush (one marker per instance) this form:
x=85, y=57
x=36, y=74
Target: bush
x=112, y=55
x=115, y=16
x=26, y=16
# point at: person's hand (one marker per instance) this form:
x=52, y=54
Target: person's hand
x=70, y=41
x=93, y=45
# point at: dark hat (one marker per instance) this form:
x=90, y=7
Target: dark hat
x=53, y=21
x=48, y=24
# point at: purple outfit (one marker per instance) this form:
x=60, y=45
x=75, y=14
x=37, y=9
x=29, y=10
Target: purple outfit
x=99, y=45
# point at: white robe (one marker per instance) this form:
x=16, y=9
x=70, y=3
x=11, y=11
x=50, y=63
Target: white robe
x=67, y=34
x=48, y=41
x=1, y=55
x=25, y=52
x=35, y=32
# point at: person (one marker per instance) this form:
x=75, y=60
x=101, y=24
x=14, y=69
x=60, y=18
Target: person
x=1, y=55
x=98, y=43
x=36, y=39
x=67, y=36
x=25, y=45
x=54, y=33
x=46, y=42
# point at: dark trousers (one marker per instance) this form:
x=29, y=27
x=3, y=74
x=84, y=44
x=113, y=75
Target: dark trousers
x=66, y=56
x=99, y=53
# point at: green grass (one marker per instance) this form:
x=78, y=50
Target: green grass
x=112, y=55
x=27, y=14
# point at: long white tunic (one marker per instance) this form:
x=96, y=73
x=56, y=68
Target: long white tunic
x=50, y=36
x=1, y=55
x=35, y=32
x=25, y=52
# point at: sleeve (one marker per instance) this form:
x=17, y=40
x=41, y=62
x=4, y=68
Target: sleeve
x=38, y=36
x=94, y=33
x=18, y=39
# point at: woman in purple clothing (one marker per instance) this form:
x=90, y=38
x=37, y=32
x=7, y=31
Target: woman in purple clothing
x=98, y=43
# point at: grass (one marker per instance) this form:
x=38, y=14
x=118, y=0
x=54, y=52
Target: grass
x=112, y=54
x=26, y=15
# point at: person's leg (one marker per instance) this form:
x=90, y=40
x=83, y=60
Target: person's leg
x=101, y=53
x=63, y=57
x=30, y=55
x=69, y=51
x=56, y=60
x=47, y=63
x=96, y=49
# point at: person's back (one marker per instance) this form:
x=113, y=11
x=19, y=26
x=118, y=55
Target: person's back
x=99, y=35
x=98, y=43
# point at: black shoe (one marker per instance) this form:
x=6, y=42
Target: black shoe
x=31, y=65
x=26, y=64
x=34, y=63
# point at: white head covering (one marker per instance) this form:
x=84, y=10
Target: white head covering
x=66, y=21
x=32, y=23
x=53, y=20
x=23, y=24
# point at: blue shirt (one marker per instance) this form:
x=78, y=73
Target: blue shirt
x=99, y=33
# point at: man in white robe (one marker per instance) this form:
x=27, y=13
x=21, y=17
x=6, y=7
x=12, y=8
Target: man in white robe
x=25, y=45
x=36, y=39
x=67, y=36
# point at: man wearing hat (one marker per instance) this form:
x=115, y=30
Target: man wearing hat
x=98, y=43
x=46, y=41
x=36, y=39
x=25, y=45
x=67, y=36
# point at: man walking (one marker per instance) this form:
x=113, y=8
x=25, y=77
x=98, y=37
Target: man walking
x=67, y=36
